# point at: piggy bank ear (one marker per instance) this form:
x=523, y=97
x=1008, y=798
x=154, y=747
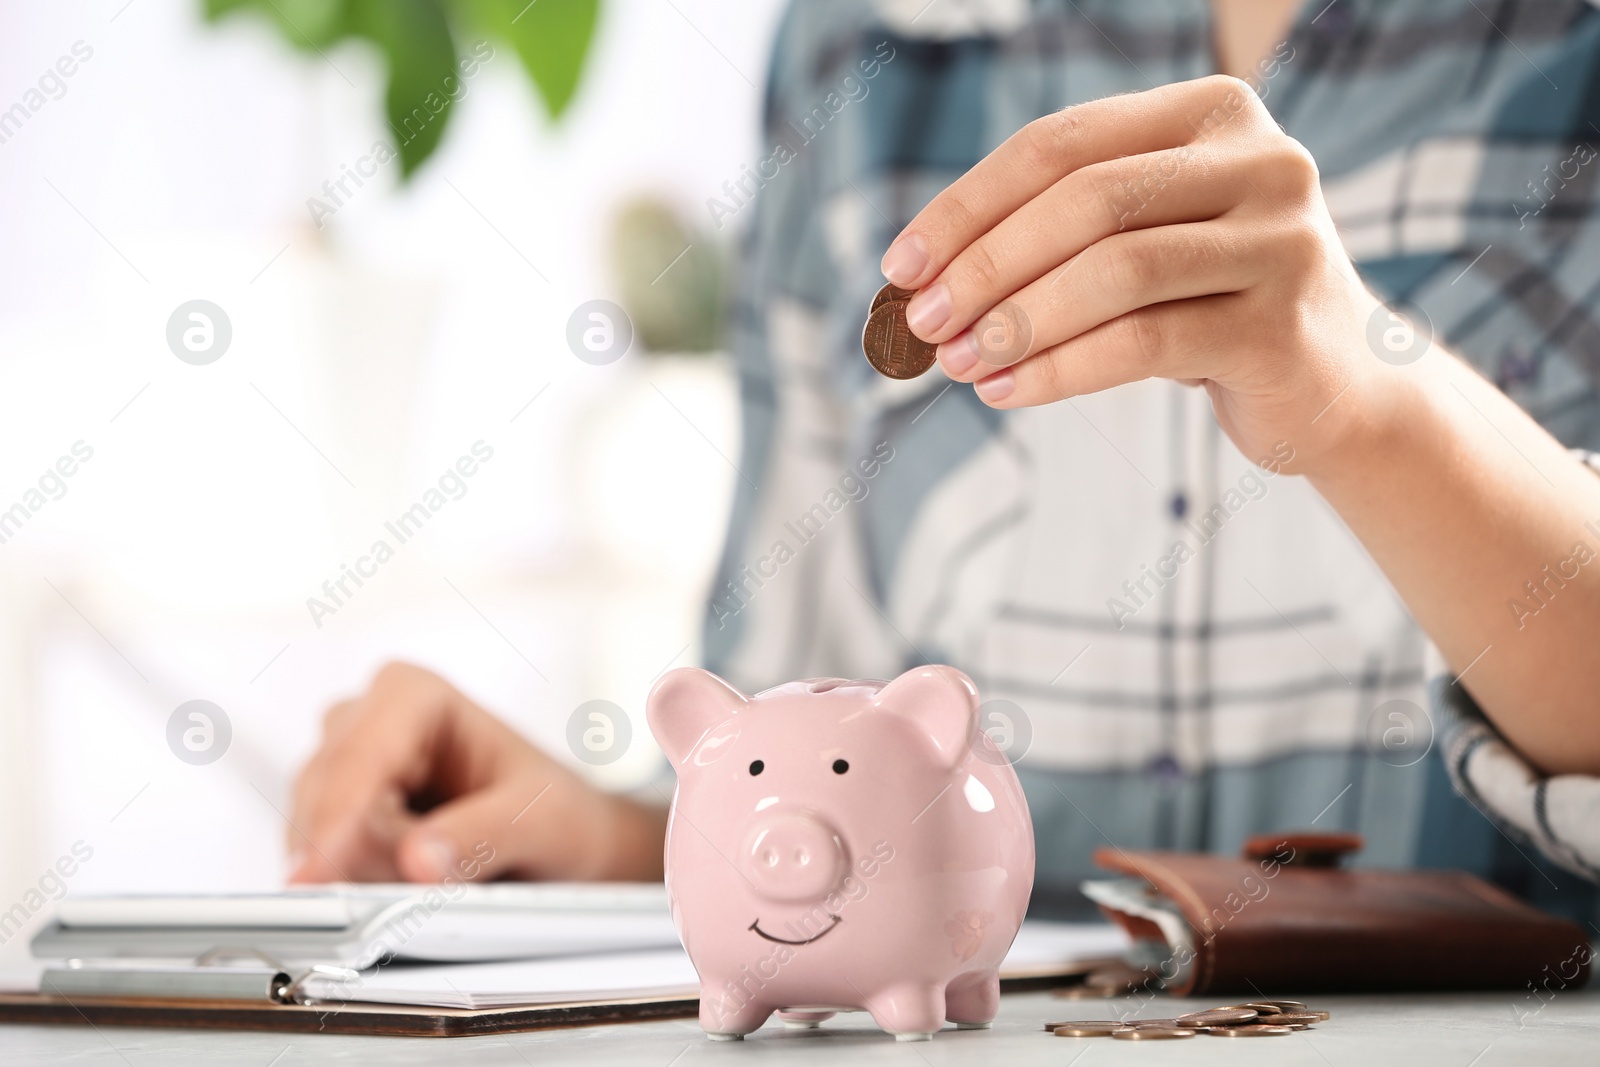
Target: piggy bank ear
x=941, y=701
x=686, y=703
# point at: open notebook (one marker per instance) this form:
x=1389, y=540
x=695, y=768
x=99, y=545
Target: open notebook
x=477, y=947
x=661, y=974
x=359, y=925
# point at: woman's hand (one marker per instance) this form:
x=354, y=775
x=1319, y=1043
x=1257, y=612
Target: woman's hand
x=1180, y=234
x=495, y=805
x=1176, y=233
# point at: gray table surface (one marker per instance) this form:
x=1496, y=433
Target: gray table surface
x=1453, y=1030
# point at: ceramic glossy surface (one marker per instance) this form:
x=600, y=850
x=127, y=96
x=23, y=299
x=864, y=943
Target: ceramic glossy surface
x=838, y=845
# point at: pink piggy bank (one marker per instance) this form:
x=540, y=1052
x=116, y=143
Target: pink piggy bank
x=842, y=846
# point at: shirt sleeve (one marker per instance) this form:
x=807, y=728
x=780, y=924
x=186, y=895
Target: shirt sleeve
x=1558, y=814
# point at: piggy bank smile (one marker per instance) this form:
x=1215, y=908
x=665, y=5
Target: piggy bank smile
x=848, y=826
x=794, y=858
x=756, y=926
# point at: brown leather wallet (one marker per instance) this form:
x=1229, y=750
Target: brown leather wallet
x=1286, y=916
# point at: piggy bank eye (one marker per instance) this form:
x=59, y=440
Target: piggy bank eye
x=756, y=766
x=840, y=766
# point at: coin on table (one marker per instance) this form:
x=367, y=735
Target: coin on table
x=1158, y=1024
x=1152, y=1033
x=1088, y=992
x=1120, y=976
x=890, y=346
x=888, y=293
x=1088, y=1028
x=1219, y=1017
x=1289, y=1017
x=1249, y=1030
x=1286, y=1005
x=1261, y=1007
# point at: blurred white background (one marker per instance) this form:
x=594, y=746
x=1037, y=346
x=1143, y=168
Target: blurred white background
x=366, y=358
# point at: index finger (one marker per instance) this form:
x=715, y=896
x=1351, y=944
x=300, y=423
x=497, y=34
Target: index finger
x=378, y=748
x=1041, y=154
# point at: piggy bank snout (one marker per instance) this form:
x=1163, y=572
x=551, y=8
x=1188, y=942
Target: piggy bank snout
x=793, y=857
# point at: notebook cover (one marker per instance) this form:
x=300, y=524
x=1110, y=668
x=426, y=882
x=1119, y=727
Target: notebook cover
x=388, y=1019
x=371, y=1019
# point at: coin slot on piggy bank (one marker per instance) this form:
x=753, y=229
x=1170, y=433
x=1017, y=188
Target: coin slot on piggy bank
x=841, y=845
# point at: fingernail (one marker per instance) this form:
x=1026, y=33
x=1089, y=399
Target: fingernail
x=996, y=387
x=928, y=310
x=436, y=857
x=905, y=261
x=959, y=356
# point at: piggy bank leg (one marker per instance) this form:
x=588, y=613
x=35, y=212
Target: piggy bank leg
x=909, y=1012
x=729, y=1019
x=972, y=1000
x=805, y=1019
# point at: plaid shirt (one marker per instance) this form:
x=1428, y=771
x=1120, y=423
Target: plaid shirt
x=1150, y=701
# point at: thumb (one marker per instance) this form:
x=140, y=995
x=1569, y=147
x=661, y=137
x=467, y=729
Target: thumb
x=502, y=831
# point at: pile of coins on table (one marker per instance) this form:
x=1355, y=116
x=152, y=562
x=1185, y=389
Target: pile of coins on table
x=1110, y=978
x=1256, y=1018
x=888, y=343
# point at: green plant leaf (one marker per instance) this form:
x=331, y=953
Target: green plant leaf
x=671, y=277
x=551, y=38
x=309, y=25
x=423, y=80
x=215, y=9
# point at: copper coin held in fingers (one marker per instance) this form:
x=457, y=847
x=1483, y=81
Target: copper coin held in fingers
x=1219, y=1017
x=890, y=346
x=1249, y=1030
x=1153, y=1033
x=888, y=293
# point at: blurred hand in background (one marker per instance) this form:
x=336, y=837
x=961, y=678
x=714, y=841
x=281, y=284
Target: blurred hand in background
x=415, y=782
